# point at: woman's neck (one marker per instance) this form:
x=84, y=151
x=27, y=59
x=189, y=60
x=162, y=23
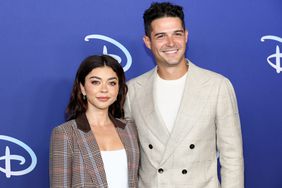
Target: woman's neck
x=98, y=118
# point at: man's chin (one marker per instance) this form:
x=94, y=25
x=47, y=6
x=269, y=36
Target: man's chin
x=172, y=63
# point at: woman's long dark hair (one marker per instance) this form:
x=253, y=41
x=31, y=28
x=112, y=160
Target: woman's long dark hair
x=77, y=105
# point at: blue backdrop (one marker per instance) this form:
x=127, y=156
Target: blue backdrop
x=43, y=42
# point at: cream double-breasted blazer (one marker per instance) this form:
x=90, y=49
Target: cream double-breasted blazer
x=207, y=125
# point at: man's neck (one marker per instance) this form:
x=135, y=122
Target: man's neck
x=172, y=73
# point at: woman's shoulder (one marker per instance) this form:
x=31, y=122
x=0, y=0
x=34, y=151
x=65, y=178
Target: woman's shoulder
x=65, y=127
x=121, y=120
x=124, y=122
x=128, y=124
x=63, y=133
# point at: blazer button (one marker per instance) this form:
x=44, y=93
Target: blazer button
x=150, y=146
x=192, y=146
x=161, y=170
x=184, y=171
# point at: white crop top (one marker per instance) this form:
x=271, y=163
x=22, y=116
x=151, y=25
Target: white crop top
x=115, y=164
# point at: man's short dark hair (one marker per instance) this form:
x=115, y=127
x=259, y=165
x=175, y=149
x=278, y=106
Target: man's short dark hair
x=160, y=10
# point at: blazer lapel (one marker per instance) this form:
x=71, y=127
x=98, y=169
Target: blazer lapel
x=130, y=144
x=90, y=152
x=146, y=106
x=190, y=106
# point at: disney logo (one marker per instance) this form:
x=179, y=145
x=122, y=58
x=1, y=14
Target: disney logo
x=8, y=157
x=277, y=55
x=116, y=43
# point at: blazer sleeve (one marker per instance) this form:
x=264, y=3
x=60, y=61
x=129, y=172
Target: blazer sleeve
x=229, y=138
x=60, y=159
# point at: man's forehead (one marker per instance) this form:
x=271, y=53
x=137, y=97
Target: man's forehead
x=167, y=30
x=167, y=24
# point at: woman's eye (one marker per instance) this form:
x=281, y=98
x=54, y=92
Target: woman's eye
x=113, y=83
x=95, y=82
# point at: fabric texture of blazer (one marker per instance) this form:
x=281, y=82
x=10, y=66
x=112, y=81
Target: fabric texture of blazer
x=207, y=125
x=75, y=158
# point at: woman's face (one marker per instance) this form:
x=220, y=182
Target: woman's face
x=101, y=88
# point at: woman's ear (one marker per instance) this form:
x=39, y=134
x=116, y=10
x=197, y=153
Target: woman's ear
x=82, y=89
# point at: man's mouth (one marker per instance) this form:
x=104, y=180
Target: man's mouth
x=170, y=51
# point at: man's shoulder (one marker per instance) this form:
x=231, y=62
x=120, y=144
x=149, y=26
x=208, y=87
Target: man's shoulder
x=205, y=73
x=141, y=78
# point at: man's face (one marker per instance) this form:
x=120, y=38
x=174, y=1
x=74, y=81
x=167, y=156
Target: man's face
x=167, y=41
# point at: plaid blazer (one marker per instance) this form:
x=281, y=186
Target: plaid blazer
x=75, y=158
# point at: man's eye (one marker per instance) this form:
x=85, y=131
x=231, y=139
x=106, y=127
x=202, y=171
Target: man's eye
x=160, y=36
x=179, y=34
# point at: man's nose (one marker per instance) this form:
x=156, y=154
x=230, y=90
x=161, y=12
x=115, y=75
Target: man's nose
x=170, y=41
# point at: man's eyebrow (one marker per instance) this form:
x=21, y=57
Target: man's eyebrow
x=161, y=33
x=179, y=30
x=176, y=31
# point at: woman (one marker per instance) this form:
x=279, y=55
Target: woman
x=95, y=147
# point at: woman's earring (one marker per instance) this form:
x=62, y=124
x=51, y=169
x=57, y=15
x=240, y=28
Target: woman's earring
x=84, y=97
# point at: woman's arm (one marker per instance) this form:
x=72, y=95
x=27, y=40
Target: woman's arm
x=60, y=159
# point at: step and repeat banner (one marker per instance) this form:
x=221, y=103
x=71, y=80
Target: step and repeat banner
x=43, y=42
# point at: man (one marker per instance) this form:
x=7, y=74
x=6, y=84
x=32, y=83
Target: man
x=184, y=114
